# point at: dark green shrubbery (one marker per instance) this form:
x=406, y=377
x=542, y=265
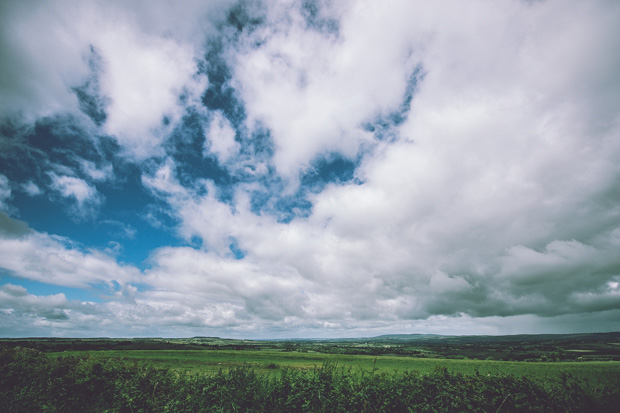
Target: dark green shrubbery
x=30, y=381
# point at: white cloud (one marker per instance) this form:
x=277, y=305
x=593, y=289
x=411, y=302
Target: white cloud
x=97, y=174
x=86, y=197
x=314, y=90
x=491, y=161
x=148, y=55
x=16, y=302
x=221, y=138
x=491, y=208
x=163, y=180
x=31, y=189
x=143, y=77
x=23, y=313
x=37, y=72
x=207, y=277
x=54, y=260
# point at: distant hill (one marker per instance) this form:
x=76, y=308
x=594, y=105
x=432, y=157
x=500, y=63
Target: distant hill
x=408, y=337
x=427, y=338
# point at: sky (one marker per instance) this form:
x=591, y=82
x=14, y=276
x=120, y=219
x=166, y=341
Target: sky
x=309, y=168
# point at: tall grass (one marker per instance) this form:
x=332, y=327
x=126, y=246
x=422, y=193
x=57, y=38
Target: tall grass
x=30, y=381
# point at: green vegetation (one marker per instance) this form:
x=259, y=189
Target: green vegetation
x=530, y=348
x=388, y=373
x=269, y=361
x=32, y=381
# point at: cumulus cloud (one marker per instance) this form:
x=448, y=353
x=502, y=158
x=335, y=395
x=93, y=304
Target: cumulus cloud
x=143, y=78
x=221, y=138
x=21, y=303
x=23, y=313
x=480, y=142
x=314, y=88
x=481, y=172
x=147, y=59
x=36, y=73
x=55, y=260
x=383, y=272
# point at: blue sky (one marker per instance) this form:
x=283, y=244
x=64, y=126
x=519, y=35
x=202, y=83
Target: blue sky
x=302, y=168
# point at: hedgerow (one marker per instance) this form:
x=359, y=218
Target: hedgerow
x=32, y=382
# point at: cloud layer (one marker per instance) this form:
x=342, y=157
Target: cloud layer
x=310, y=168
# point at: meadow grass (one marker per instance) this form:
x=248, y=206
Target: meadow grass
x=598, y=373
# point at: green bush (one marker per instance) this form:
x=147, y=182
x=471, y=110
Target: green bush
x=32, y=382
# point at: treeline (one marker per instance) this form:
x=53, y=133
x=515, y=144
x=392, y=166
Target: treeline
x=63, y=344
x=32, y=382
x=584, y=349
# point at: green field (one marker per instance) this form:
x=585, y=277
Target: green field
x=272, y=377
x=597, y=373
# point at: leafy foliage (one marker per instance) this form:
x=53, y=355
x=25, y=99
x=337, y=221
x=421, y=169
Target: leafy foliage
x=31, y=381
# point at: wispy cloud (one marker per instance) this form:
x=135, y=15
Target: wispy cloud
x=31, y=189
x=84, y=198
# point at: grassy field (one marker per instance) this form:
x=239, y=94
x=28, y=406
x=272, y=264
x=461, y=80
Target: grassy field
x=264, y=380
x=555, y=373
x=210, y=361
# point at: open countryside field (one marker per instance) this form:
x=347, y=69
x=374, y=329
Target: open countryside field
x=578, y=373
x=599, y=373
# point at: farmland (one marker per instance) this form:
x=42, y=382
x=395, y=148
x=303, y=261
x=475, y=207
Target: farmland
x=456, y=373
x=210, y=361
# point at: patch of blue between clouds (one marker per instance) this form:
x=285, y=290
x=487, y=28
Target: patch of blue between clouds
x=56, y=144
x=65, y=140
x=237, y=252
x=129, y=222
x=145, y=222
x=186, y=146
x=294, y=206
x=245, y=17
x=273, y=199
x=332, y=168
x=220, y=95
x=59, y=143
x=258, y=145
